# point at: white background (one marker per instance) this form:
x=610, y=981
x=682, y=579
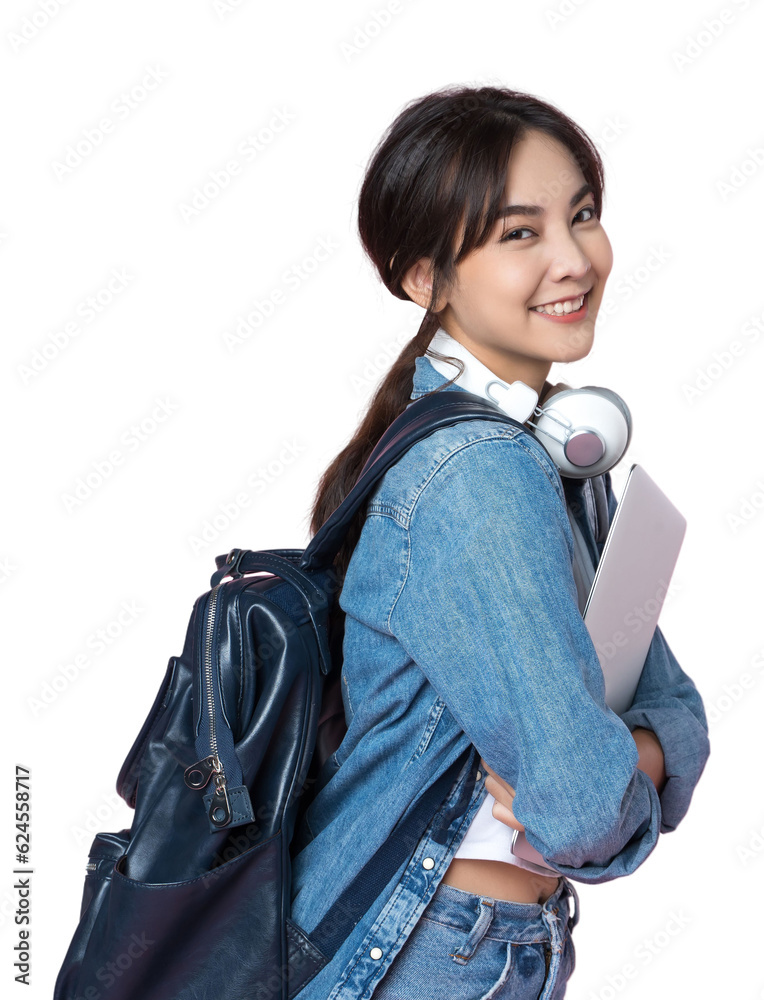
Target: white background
x=671, y=93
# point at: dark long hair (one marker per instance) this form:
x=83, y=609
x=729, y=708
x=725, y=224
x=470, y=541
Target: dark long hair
x=441, y=165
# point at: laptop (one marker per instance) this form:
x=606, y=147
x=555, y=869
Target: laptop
x=626, y=596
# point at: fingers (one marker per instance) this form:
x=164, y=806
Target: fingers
x=505, y=815
x=504, y=795
x=495, y=777
x=500, y=790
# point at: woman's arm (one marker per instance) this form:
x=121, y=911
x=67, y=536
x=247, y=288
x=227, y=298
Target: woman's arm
x=488, y=609
x=650, y=761
x=666, y=697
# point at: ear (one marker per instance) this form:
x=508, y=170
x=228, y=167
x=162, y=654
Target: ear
x=417, y=283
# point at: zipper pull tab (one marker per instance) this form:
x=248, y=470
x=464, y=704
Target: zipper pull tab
x=220, y=807
x=197, y=775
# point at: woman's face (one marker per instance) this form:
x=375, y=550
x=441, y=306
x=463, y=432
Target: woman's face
x=552, y=248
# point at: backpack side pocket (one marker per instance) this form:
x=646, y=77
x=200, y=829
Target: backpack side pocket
x=127, y=780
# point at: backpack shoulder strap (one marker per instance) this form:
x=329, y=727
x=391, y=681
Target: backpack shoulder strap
x=335, y=926
x=421, y=418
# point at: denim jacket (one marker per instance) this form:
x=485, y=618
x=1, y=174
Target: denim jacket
x=463, y=628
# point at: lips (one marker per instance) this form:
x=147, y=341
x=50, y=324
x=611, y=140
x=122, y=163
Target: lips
x=568, y=298
x=572, y=316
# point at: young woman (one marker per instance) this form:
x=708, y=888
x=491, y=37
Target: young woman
x=462, y=582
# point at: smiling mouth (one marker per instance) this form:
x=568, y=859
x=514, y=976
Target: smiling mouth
x=562, y=312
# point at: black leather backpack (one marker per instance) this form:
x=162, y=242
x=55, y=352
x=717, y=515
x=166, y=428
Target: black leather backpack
x=194, y=899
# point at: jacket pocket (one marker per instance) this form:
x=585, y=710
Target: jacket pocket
x=432, y=723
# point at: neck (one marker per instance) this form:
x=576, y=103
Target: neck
x=478, y=377
x=506, y=365
x=488, y=363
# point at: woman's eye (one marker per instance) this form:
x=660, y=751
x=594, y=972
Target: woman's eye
x=507, y=237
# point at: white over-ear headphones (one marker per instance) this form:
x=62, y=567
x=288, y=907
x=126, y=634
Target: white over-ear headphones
x=586, y=431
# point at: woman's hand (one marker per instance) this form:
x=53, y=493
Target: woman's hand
x=651, y=759
x=504, y=793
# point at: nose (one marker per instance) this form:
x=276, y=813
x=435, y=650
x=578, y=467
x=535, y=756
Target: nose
x=568, y=259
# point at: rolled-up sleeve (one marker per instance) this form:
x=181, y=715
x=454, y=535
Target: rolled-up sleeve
x=667, y=702
x=488, y=609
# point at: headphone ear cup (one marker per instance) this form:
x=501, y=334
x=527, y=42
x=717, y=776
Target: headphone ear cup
x=576, y=424
x=619, y=402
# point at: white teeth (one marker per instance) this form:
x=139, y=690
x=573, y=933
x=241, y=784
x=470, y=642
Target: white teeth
x=556, y=308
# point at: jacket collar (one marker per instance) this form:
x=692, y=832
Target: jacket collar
x=427, y=378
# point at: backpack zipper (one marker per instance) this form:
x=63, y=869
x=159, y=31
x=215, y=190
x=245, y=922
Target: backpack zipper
x=199, y=774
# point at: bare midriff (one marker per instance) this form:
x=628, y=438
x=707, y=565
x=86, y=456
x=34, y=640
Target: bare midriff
x=500, y=880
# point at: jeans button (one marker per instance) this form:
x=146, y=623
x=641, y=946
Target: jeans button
x=428, y=863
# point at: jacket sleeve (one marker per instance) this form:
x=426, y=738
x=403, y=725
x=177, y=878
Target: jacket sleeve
x=667, y=702
x=488, y=609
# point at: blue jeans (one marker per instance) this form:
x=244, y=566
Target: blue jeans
x=475, y=947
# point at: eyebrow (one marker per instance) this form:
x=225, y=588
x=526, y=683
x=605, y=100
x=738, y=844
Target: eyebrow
x=536, y=210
